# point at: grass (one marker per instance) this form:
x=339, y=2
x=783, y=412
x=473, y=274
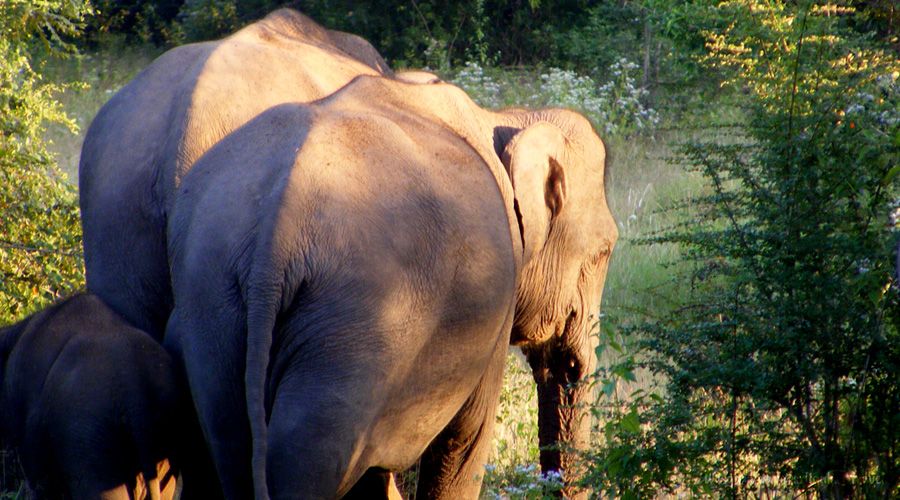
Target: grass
x=642, y=183
x=11, y=486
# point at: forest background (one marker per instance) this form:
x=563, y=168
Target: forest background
x=750, y=335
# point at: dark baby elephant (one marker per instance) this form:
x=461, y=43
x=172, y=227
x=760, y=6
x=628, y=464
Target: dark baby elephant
x=348, y=276
x=89, y=403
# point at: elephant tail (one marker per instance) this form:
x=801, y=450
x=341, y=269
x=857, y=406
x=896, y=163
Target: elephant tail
x=262, y=309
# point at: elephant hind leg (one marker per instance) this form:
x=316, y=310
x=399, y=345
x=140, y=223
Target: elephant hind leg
x=214, y=366
x=308, y=456
x=453, y=464
x=375, y=484
x=120, y=492
x=316, y=434
x=158, y=483
x=126, y=264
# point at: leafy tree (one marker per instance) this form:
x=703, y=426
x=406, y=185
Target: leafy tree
x=781, y=371
x=149, y=20
x=40, y=232
x=418, y=32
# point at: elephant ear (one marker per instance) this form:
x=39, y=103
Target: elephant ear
x=538, y=180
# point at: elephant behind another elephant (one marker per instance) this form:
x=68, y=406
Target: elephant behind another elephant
x=92, y=405
x=148, y=136
x=394, y=289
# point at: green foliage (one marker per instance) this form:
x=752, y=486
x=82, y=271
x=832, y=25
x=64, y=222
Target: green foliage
x=782, y=367
x=660, y=38
x=151, y=21
x=439, y=33
x=208, y=19
x=618, y=466
x=40, y=233
x=615, y=107
x=515, y=441
x=50, y=21
x=610, y=30
x=433, y=33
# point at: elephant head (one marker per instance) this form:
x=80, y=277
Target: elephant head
x=556, y=164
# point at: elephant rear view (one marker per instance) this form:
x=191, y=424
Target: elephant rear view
x=92, y=406
x=148, y=136
x=345, y=306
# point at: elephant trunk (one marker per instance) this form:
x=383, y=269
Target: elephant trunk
x=564, y=422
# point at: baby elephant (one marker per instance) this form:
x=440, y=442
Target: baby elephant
x=90, y=403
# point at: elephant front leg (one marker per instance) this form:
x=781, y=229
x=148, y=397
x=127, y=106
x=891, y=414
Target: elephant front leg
x=453, y=465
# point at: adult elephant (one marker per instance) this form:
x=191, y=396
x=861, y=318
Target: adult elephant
x=348, y=274
x=148, y=136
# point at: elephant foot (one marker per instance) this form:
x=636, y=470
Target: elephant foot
x=375, y=484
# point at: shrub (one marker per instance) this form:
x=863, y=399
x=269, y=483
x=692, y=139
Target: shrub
x=40, y=233
x=616, y=108
x=153, y=21
x=781, y=370
x=209, y=19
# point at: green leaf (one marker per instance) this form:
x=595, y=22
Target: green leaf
x=609, y=387
x=616, y=346
x=631, y=422
x=891, y=175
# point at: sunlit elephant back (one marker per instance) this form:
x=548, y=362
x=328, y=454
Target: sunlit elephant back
x=148, y=136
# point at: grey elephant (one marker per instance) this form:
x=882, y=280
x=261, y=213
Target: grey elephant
x=148, y=136
x=349, y=274
x=92, y=405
